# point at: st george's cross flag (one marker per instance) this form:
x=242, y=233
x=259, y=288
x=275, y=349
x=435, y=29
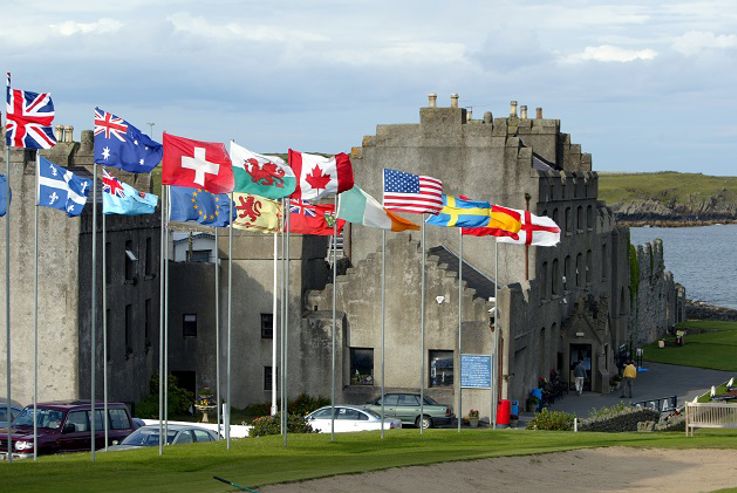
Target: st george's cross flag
x=29, y=117
x=61, y=189
x=535, y=230
x=267, y=176
x=318, y=176
x=196, y=164
x=121, y=198
x=412, y=193
x=121, y=145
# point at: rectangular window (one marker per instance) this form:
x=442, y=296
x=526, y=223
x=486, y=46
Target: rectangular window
x=441, y=368
x=604, y=261
x=267, y=326
x=130, y=261
x=128, y=329
x=108, y=262
x=149, y=257
x=267, y=378
x=200, y=256
x=362, y=366
x=147, y=324
x=189, y=325
x=118, y=419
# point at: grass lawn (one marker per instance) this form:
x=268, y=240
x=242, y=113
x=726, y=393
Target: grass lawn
x=667, y=187
x=715, y=348
x=260, y=461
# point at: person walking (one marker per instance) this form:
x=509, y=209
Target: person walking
x=629, y=374
x=580, y=376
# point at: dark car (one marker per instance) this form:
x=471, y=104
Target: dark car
x=65, y=427
x=406, y=407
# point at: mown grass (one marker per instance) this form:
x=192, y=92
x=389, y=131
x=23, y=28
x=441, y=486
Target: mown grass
x=260, y=461
x=667, y=187
x=716, y=348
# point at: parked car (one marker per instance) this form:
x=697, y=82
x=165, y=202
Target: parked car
x=15, y=409
x=406, y=407
x=65, y=427
x=349, y=418
x=148, y=436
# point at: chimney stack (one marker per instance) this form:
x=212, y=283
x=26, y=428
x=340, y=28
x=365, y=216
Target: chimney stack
x=454, y=100
x=523, y=112
x=513, y=108
x=539, y=113
x=488, y=117
x=469, y=113
x=68, y=134
x=432, y=100
x=59, y=133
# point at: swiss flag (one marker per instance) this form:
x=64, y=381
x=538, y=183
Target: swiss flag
x=196, y=164
x=318, y=176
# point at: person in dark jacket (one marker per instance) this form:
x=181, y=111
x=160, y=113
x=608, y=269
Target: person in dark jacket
x=580, y=376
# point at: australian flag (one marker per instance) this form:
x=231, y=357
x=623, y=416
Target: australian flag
x=208, y=209
x=121, y=145
x=61, y=189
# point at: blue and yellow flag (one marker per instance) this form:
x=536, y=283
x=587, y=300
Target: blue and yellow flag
x=458, y=212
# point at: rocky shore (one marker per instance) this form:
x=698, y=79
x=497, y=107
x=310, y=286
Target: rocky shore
x=699, y=310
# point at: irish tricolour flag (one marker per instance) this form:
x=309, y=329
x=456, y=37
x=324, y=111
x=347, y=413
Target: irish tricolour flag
x=259, y=174
x=356, y=206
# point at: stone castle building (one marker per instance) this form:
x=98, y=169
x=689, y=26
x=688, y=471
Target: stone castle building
x=555, y=305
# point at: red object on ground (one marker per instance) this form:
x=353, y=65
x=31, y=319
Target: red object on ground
x=503, y=410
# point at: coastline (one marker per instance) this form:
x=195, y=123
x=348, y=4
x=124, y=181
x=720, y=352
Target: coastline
x=671, y=223
x=700, y=310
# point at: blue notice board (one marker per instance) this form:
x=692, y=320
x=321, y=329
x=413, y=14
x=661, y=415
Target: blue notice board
x=475, y=371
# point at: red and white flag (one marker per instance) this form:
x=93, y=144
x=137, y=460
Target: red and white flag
x=536, y=230
x=318, y=176
x=196, y=164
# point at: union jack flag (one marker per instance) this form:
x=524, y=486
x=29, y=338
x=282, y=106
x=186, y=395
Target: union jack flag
x=109, y=124
x=29, y=118
x=299, y=207
x=111, y=185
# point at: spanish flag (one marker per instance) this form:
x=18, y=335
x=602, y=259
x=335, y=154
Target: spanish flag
x=462, y=212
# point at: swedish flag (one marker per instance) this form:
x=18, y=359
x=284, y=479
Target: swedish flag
x=461, y=212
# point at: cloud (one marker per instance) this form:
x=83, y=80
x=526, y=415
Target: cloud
x=694, y=42
x=240, y=30
x=609, y=53
x=101, y=26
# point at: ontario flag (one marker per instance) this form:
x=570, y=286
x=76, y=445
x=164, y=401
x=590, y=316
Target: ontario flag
x=196, y=164
x=318, y=176
x=312, y=219
x=29, y=118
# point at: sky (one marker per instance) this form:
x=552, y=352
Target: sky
x=642, y=86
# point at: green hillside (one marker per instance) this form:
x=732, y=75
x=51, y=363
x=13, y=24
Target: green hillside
x=667, y=187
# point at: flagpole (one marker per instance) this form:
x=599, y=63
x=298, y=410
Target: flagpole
x=7, y=288
x=35, y=311
x=162, y=280
x=230, y=322
x=332, y=356
x=217, y=329
x=93, y=314
x=282, y=326
x=274, y=317
x=104, y=327
x=494, y=337
x=383, y=322
x=166, y=323
x=422, y=329
x=460, y=326
x=285, y=344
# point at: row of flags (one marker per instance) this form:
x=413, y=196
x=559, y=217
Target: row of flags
x=220, y=186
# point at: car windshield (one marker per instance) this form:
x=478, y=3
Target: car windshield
x=147, y=438
x=371, y=413
x=45, y=418
x=431, y=401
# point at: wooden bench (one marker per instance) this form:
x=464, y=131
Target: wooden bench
x=710, y=415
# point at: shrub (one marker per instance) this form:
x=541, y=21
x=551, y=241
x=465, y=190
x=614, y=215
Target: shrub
x=271, y=425
x=179, y=400
x=604, y=412
x=305, y=404
x=551, y=421
x=624, y=420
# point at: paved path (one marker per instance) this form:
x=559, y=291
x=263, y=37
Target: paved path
x=660, y=380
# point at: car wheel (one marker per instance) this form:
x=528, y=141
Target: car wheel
x=425, y=422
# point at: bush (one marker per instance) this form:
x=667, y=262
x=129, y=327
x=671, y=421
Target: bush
x=305, y=404
x=271, y=425
x=605, y=412
x=624, y=420
x=551, y=421
x=179, y=400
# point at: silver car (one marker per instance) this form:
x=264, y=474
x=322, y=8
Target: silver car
x=349, y=418
x=148, y=436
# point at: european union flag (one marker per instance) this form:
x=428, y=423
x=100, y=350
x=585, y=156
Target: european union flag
x=3, y=199
x=461, y=212
x=121, y=145
x=61, y=189
x=208, y=209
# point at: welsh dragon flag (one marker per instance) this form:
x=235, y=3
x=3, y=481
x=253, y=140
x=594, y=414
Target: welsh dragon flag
x=266, y=176
x=318, y=176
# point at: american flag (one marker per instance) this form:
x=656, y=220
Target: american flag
x=29, y=118
x=412, y=193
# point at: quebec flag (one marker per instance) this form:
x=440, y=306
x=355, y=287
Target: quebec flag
x=61, y=189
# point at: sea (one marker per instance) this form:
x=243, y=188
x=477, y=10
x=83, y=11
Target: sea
x=701, y=258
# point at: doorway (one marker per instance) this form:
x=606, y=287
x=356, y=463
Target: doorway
x=581, y=352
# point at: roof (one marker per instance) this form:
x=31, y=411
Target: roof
x=174, y=427
x=483, y=284
x=78, y=403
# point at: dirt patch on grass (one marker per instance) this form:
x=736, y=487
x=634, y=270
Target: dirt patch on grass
x=603, y=469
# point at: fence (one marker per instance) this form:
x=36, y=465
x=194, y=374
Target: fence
x=710, y=415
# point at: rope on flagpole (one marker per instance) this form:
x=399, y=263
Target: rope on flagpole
x=8, y=379
x=162, y=257
x=421, y=422
x=285, y=343
x=166, y=323
x=460, y=326
x=282, y=326
x=35, y=313
x=495, y=338
x=332, y=353
x=274, y=321
x=217, y=329
x=104, y=328
x=383, y=323
x=230, y=322
x=93, y=313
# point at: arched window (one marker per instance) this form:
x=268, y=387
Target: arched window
x=555, y=216
x=579, y=269
x=579, y=219
x=622, y=302
x=568, y=227
x=604, y=262
x=555, y=278
x=566, y=272
x=542, y=353
x=544, y=281
x=589, y=266
x=589, y=218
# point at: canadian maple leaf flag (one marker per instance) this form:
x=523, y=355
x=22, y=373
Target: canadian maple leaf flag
x=318, y=176
x=196, y=164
